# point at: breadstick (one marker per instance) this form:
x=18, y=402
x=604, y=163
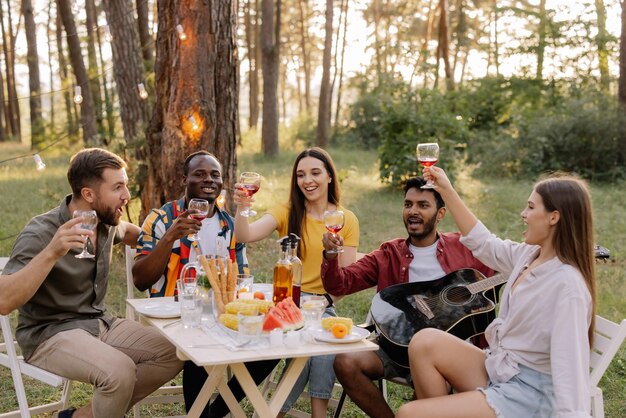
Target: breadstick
x=223, y=279
x=211, y=273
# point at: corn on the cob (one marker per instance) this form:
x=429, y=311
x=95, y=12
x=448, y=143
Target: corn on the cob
x=248, y=307
x=229, y=321
x=328, y=322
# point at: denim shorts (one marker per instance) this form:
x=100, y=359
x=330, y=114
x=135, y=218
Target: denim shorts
x=528, y=394
x=318, y=372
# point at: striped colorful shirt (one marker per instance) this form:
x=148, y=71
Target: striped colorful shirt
x=158, y=222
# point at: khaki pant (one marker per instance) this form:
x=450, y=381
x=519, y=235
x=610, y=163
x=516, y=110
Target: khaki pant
x=126, y=363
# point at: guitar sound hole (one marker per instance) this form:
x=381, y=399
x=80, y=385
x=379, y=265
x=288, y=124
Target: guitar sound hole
x=457, y=295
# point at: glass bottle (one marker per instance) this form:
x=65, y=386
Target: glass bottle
x=296, y=268
x=283, y=275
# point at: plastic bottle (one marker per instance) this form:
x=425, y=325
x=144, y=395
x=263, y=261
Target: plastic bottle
x=283, y=274
x=296, y=268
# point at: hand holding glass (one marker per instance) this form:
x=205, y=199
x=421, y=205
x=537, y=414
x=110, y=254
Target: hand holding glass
x=427, y=155
x=333, y=221
x=198, y=210
x=250, y=183
x=90, y=221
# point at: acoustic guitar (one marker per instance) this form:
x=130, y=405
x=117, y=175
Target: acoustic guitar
x=455, y=303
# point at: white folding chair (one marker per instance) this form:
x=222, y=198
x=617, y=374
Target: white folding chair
x=9, y=358
x=608, y=338
x=165, y=394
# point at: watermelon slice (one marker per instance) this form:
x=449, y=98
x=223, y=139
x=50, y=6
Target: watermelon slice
x=284, y=315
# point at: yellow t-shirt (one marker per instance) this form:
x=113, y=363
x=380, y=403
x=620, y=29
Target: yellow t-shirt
x=312, y=235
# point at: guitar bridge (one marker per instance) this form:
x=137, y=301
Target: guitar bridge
x=423, y=307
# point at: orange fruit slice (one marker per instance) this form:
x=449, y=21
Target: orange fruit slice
x=259, y=295
x=339, y=331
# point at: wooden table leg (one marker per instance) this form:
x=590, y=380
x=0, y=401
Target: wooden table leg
x=216, y=375
x=289, y=377
x=260, y=405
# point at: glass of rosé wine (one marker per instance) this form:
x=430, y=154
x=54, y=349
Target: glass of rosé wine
x=427, y=155
x=198, y=209
x=333, y=221
x=250, y=183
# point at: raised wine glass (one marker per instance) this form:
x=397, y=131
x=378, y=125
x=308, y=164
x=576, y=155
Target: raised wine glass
x=198, y=209
x=90, y=221
x=427, y=155
x=250, y=183
x=333, y=221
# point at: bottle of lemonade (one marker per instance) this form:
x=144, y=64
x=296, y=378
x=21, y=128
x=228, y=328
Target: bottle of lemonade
x=296, y=268
x=283, y=274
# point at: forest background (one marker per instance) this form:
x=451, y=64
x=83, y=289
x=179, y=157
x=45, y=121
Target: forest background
x=510, y=90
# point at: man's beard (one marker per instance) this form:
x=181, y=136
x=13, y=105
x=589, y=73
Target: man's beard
x=429, y=227
x=107, y=216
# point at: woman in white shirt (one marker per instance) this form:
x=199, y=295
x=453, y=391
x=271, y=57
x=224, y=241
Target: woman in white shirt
x=538, y=361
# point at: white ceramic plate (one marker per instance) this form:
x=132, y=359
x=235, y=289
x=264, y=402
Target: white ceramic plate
x=160, y=309
x=357, y=334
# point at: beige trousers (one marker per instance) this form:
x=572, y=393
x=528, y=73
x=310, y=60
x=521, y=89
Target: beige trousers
x=126, y=363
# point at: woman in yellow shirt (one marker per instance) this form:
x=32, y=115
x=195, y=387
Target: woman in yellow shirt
x=314, y=189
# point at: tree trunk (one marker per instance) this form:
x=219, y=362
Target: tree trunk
x=87, y=116
x=345, y=6
x=621, y=89
x=252, y=44
x=444, y=45
x=12, y=109
x=323, y=110
x=128, y=68
x=194, y=77
x=94, y=70
x=306, y=58
x=65, y=82
x=270, y=45
x=541, y=46
x=37, y=133
x=50, y=66
x=145, y=35
x=601, y=40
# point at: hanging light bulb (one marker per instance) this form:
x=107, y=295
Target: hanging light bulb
x=181, y=32
x=107, y=33
x=39, y=162
x=143, y=94
x=78, y=97
x=194, y=123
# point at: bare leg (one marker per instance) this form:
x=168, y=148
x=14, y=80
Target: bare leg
x=356, y=372
x=437, y=357
x=460, y=405
x=319, y=407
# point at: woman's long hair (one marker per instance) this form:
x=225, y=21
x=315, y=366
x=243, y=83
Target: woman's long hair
x=297, y=204
x=573, y=238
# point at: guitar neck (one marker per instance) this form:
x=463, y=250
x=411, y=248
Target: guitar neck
x=482, y=285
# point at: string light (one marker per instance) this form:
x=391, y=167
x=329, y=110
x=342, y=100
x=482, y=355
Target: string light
x=107, y=33
x=181, y=32
x=78, y=97
x=194, y=123
x=143, y=94
x=39, y=162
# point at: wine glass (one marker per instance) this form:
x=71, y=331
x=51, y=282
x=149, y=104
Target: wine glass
x=250, y=183
x=333, y=221
x=427, y=155
x=198, y=209
x=90, y=221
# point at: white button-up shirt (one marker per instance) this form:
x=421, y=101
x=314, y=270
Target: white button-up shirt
x=542, y=324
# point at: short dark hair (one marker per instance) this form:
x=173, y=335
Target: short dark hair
x=194, y=155
x=417, y=183
x=87, y=166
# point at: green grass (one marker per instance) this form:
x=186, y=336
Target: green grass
x=496, y=201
